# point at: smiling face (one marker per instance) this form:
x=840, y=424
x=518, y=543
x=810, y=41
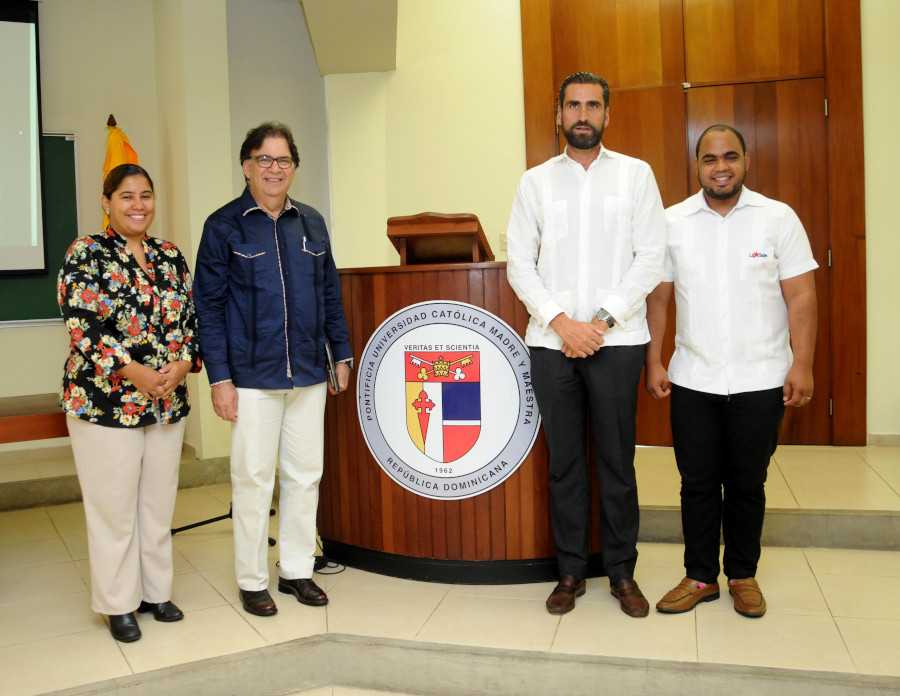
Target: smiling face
x=131, y=206
x=269, y=186
x=722, y=167
x=583, y=115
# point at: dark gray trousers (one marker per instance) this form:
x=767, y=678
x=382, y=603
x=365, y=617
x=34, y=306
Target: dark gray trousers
x=604, y=387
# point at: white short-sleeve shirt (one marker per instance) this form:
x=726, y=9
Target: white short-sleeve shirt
x=731, y=329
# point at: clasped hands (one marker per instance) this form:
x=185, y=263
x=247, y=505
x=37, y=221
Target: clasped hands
x=156, y=384
x=580, y=338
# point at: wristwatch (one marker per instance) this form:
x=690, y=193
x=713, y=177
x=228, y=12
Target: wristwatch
x=603, y=315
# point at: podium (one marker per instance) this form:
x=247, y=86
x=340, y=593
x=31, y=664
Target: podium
x=439, y=238
x=368, y=521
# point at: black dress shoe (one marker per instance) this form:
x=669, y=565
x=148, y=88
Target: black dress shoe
x=305, y=590
x=164, y=611
x=258, y=602
x=124, y=627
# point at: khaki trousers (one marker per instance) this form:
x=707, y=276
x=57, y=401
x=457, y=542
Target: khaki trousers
x=129, y=479
x=287, y=425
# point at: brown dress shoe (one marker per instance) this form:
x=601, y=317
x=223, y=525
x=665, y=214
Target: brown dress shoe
x=306, y=591
x=562, y=599
x=630, y=597
x=748, y=598
x=687, y=595
x=258, y=602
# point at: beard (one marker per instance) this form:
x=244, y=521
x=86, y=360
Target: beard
x=583, y=141
x=735, y=190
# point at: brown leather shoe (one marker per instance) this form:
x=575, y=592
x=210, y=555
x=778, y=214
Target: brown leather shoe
x=630, y=597
x=748, y=598
x=258, y=602
x=686, y=596
x=562, y=599
x=306, y=591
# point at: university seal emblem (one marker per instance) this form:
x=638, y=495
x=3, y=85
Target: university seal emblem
x=445, y=399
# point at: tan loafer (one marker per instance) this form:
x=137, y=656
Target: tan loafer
x=687, y=595
x=748, y=598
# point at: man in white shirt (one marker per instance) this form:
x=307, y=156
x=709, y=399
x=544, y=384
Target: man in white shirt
x=586, y=244
x=741, y=268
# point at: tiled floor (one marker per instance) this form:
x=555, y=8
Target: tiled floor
x=800, y=477
x=829, y=609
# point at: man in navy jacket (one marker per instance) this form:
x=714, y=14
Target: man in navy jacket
x=268, y=297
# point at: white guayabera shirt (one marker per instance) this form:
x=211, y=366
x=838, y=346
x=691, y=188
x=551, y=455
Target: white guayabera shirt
x=581, y=240
x=731, y=328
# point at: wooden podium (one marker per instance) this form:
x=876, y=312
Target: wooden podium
x=439, y=238
x=368, y=521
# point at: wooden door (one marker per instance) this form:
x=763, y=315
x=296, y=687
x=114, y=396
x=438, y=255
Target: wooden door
x=762, y=65
x=730, y=41
x=783, y=124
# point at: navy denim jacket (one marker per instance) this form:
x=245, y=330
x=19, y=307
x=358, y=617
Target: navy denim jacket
x=267, y=294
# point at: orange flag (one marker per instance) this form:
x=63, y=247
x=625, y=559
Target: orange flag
x=118, y=151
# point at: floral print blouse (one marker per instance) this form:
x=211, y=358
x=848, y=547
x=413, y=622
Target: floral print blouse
x=116, y=312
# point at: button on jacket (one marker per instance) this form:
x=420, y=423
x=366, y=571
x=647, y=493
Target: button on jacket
x=267, y=295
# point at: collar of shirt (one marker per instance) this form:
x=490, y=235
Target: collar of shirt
x=564, y=157
x=249, y=204
x=697, y=202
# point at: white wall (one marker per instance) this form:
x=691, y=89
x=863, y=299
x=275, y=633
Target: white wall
x=274, y=77
x=442, y=133
x=881, y=104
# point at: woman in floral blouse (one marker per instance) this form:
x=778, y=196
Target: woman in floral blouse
x=126, y=300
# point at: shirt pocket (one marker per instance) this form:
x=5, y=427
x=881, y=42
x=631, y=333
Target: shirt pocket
x=617, y=214
x=690, y=269
x=757, y=264
x=554, y=222
x=250, y=266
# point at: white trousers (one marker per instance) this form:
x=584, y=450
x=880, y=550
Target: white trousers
x=129, y=479
x=288, y=424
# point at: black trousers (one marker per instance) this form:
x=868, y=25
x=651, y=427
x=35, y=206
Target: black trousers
x=722, y=446
x=606, y=384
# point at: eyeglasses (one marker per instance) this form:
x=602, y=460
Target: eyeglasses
x=265, y=161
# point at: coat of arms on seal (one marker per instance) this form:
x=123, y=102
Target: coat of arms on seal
x=443, y=414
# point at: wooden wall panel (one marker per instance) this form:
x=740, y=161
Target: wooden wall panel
x=641, y=122
x=537, y=71
x=632, y=43
x=783, y=124
x=740, y=40
x=847, y=219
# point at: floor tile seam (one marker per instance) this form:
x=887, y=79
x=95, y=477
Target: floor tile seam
x=67, y=634
x=868, y=575
x=825, y=598
x=793, y=495
x=238, y=609
x=431, y=613
x=844, y=643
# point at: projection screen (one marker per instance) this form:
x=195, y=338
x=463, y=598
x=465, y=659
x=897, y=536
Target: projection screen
x=22, y=237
